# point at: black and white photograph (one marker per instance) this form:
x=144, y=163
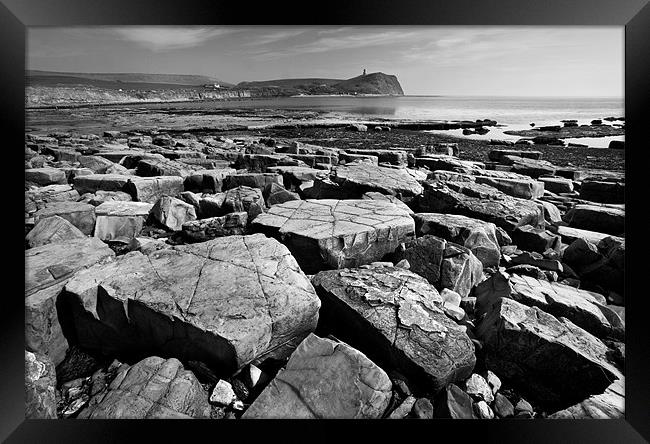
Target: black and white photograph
x=325, y=222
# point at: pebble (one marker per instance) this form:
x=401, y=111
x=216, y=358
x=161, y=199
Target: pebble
x=223, y=394
x=423, y=409
x=502, y=406
x=483, y=411
x=403, y=409
x=478, y=388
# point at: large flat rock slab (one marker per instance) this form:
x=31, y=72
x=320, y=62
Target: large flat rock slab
x=481, y=202
x=570, y=234
x=604, y=219
x=38, y=198
x=105, y=182
x=45, y=176
x=47, y=269
x=154, y=388
x=521, y=188
x=551, y=360
x=225, y=302
x=329, y=233
x=395, y=317
x=325, y=379
x=79, y=214
x=361, y=177
x=50, y=230
x=477, y=235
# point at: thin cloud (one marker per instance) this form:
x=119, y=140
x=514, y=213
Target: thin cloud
x=345, y=42
x=274, y=37
x=162, y=38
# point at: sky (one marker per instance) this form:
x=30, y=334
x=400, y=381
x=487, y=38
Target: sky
x=583, y=61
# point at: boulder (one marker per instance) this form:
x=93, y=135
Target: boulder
x=45, y=176
x=224, y=302
x=104, y=182
x=81, y=215
x=390, y=156
x=252, y=180
x=47, y=269
x=150, y=189
x=480, y=237
x=325, y=379
x=607, y=405
x=444, y=264
x=40, y=387
x=530, y=167
x=276, y=194
x=172, y=213
x=551, y=212
x=603, y=191
x=205, y=229
x=337, y=233
x=294, y=176
x=244, y=198
x=208, y=181
x=535, y=239
x=53, y=229
x=557, y=184
x=38, y=198
x=585, y=309
x=449, y=163
x=107, y=196
x=498, y=155
x=358, y=178
x=154, y=388
x=521, y=188
x=97, y=164
x=480, y=202
x=395, y=317
x=120, y=221
x=551, y=360
x=603, y=219
x=157, y=167
x=569, y=234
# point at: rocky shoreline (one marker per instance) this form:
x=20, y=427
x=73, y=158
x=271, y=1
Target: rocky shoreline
x=213, y=269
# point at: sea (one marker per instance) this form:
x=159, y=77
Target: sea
x=511, y=113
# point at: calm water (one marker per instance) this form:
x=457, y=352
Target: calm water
x=514, y=113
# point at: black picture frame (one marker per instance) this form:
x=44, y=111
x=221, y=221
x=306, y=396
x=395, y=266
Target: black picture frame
x=16, y=15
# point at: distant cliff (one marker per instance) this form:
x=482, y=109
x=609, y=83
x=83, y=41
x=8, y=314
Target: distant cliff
x=374, y=83
x=72, y=89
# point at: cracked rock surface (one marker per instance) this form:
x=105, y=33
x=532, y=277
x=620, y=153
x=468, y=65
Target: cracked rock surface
x=224, y=302
x=325, y=379
x=332, y=233
x=361, y=177
x=395, y=317
x=481, y=202
x=154, y=388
